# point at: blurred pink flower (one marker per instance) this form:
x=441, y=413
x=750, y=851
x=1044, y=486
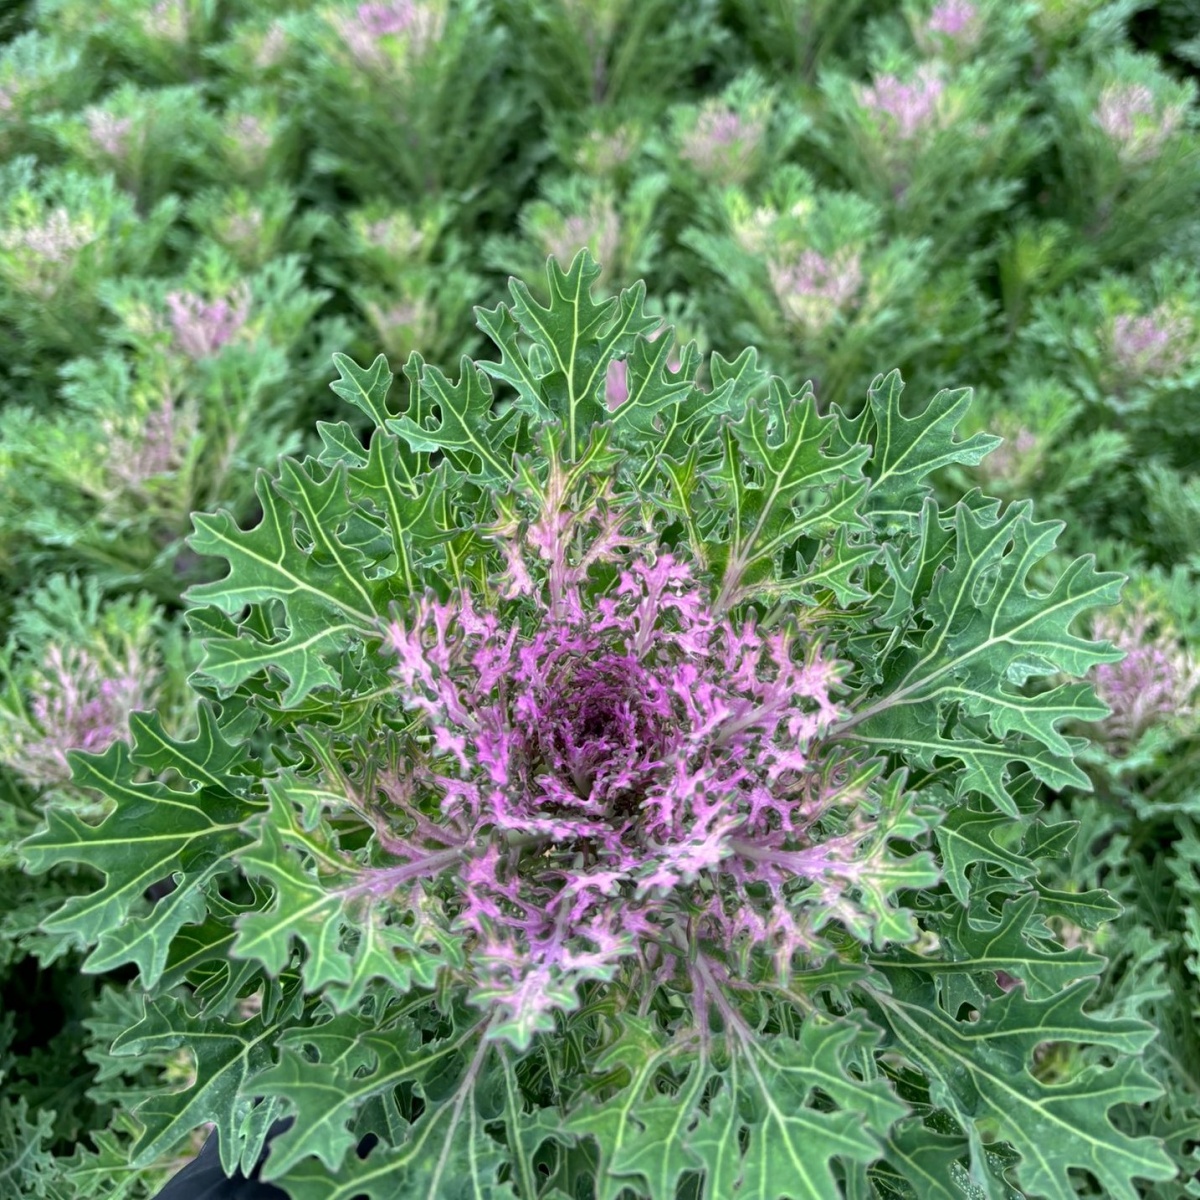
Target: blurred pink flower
x=243, y=231
x=812, y=289
x=723, y=145
x=420, y=24
x=77, y=704
x=109, y=133
x=602, y=153
x=1008, y=461
x=599, y=231
x=396, y=234
x=250, y=140
x=903, y=109
x=272, y=48
x=1129, y=115
x=958, y=20
x=157, y=448
x=169, y=20
x=202, y=327
x=1155, y=345
x=1155, y=683
x=56, y=240
x=403, y=326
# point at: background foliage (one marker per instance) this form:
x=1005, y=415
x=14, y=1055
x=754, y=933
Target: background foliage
x=202, y=200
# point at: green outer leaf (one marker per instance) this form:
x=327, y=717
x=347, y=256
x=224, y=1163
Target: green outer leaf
x=325, y=1096
x=1007, y=945
x=266, y=564
x=767, y=1087
x=574, y=336
x=791, y=1150
x=926, y=1160
x=803, y=490
x=652, y=389
x=326, y=907
x=639, y=1137
x=227, y=1056
x=367, y=389
x=154, y=832
x=410, y=511
x=983, y=1069
x=479, y=444
x=325, y=599
x=909, y=449
x=451, y=1157
x=984, y=622
x=26, y=1166
x=967, y=836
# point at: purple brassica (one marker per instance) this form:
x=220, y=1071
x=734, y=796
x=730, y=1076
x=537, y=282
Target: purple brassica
x=202, y=327
x=624, y=773
x=1155, y=684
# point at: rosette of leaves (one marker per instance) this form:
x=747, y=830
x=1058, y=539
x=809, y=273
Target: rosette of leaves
x=1127, y=351
x=811, y=275
x=610, y=53
x=197, y=384
x=619, y=799
x=62, y=234
x=904, y=140
x=405, y=100
x=1125, y=154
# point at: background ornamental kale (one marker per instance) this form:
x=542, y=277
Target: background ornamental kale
x=628, y=788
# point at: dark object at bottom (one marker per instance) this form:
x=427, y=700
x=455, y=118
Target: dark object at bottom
x=203, y=1178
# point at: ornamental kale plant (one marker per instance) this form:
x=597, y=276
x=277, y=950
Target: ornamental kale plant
x=620, y=792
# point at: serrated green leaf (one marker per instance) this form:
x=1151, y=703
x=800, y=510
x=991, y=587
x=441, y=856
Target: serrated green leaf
x=907, y=450
x=330, y=908
x=926, y=1160
x=715, y=1140
x=641, y=1134
x=366, y=388
x=652, y=388
x=1089, y=909
x=983, y=1069
x=881, y=872
x=573, y=339
x=983, y=620
x=452, y=1157
x=1008, y=945
x=479, y=444
x=802, y=489
x=792, y=1140
x=1043, y=966
x=205, y=761
x=27, y=1168
x=792, y=1148
x=966, y=837
x=227, y=1056
x=105, y=1172
x=153, y=833
x=514, y=367
x=266, y=563
x=411, y=510
x=322, y=589
x=327, y=1093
